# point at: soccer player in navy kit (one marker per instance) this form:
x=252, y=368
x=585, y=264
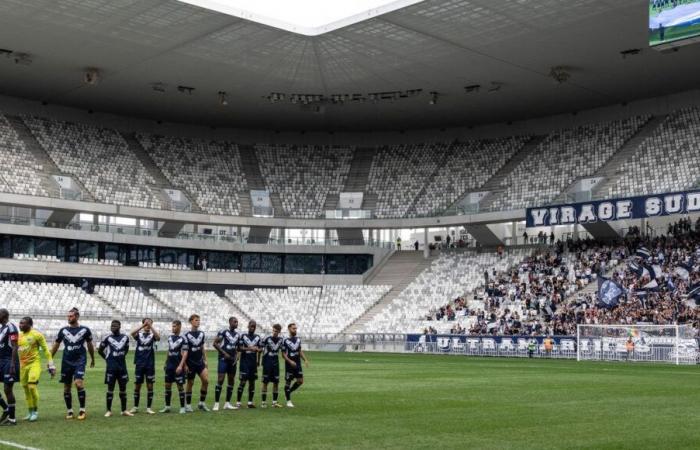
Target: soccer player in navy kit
x=271, y=347
x=226, y=343
x=114, y=349
x=196, y=364
x=9, y=366
x=175, y=367
x=293, y=355
x=145, y=360
x=249, y=347
x=74, y=338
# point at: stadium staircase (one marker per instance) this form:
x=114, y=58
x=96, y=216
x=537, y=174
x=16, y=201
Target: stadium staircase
x=494, y=184
x=411, y=211
x=358, y=177
x=48, y=166
x=155, y=299
x=399, y=271
x=608, y=171
x=254, y=179
x=243, y=318
x=162, y=182
x=117, y=313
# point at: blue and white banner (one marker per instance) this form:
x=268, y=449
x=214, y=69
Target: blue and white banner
x=616, y=209
x=563, y=346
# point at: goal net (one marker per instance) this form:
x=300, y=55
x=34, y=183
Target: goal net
x=674, y=344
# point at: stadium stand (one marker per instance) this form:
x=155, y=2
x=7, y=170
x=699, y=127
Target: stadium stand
x=213, y=309
x=210, y=170
x=316, y=310
x=667, y=161
x=99, y=158
x=467, y=167
x=560, y=159
x=450, y=276
x=398, y=174
x=19, y=168
x=304, y=175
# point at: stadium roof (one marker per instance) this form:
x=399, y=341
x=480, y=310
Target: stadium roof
x=145, y=49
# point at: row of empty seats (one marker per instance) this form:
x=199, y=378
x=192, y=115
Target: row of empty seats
x=561, y=159
x=398, y=174
x=28, y=257
x=667, y=161
x=100, y=158
x=304, y=176
x=19, y=170
x=210, y=171
x=315, y=310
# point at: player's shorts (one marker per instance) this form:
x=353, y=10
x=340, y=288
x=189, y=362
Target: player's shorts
x=116, y=375
x=30, y=373
x=194, y=369
x=292, y=373
x=249, y=372
x=142, y=373
x=70, y=372
x=226, y=366
x=6, y=376
x=271, y=373
x=171, y=375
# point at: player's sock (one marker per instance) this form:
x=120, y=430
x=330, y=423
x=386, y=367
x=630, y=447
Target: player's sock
x=149, y=399
x=34, y=394
x=122, y=400
x=287, y=392
x=264, y=396
x=275, y=395
x=81, y=398
x=168, y=396
x=229, y=393
x=217, y=393
x=11, y=411
x=68, y=398
x=239, y=394
x=295, y=386
x=110, y=397
x=188, y=398
x=137, y=398
x=182, y=399
x=202, y=396
x=29, y=397
x=251, y=392
x=3, y=405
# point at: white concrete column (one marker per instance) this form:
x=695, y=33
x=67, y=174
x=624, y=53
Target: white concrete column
x=426, y=247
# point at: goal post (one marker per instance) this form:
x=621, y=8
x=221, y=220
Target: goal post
x=672, y=344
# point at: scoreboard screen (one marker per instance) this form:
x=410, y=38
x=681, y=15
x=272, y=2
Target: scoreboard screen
x=674, y=22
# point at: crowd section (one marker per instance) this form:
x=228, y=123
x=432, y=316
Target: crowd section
x=547, y=294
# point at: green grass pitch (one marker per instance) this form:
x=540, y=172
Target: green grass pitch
x=372, y=401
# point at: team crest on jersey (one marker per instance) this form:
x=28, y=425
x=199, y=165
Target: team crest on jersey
x=145, y=338
x=196, y=341
x=74, y=338
x=118, y=344
x=294, y=346
x=174, y=343
x=231, y=338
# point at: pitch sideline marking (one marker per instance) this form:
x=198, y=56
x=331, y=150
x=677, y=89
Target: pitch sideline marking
x=15, y=445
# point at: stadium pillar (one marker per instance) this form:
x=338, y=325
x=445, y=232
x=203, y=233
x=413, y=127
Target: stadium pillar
x=514, y=233
x=426, y=247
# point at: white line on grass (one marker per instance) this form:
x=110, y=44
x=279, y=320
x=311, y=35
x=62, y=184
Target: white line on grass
x=15, y=445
